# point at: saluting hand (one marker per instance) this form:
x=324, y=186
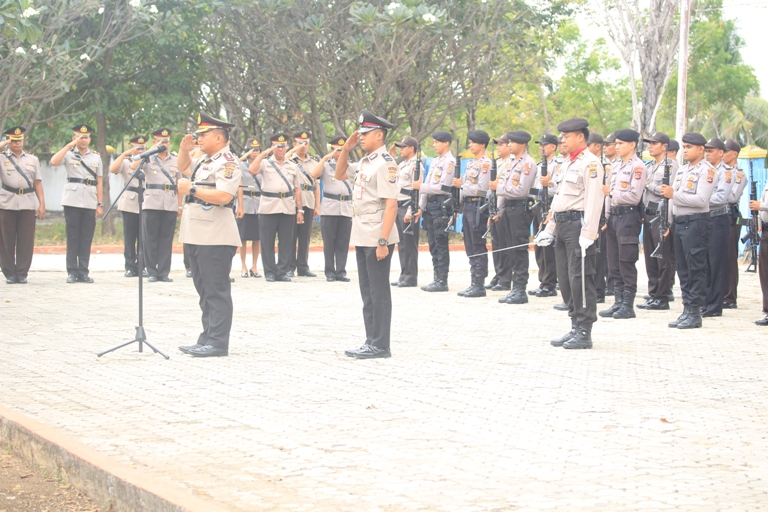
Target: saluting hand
x=4, y=142
x=392, y=151
x=352, y=141
x=187, y=143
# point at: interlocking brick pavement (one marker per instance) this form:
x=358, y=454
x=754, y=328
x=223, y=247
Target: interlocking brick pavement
x=475, y=411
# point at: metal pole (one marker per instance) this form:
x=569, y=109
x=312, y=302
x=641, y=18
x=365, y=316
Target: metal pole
x=681, y=117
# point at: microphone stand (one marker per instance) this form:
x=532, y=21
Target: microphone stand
x=141, y=336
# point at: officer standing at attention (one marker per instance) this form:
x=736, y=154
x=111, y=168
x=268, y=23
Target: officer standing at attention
x=336, y=222
x=625, y=219
x=575, y=222
x=515, y=205
x=433, y=194
x=21, y=178
x=162, y=205
x=281, y=207
x=690, y=195
x=248, y=223
x=310, y=198
x=762, y=266
x=129, y=205
x=659, y=270
x=374, y=210
x=545, y=256
x=82, y=200
x=474, y=188
x=603, y=279
x=717, y=253
x=731, y=162
x=208, y=226
x=504, y=162
x=408, y=246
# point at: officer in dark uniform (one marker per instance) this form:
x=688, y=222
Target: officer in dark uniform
x=374, y=211
x=690, y=195
x=545, y=256
x=129, y=204
x=731, y=162
x=208, y=226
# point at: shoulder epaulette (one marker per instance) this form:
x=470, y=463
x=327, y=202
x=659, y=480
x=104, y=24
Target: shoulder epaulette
x=387, y=157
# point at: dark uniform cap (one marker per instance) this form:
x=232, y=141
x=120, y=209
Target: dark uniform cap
x=502, y=140
x=161, y=133
x=206, y=123
x=658, y=137
x=673, y=145
x=139, y=139
x=575, y=124
x=714, y=143
x=339, y=141
x=547, y=138
x=479, y=136
x=301, y=136
x=15, y=132
x=627, y=135
x=595, y=138
x=442, y=136
x=369, y=122
x=519, y=136
x=732, y=145
x=82, y=129
x=408, y=141
x=694, y=138
x=279, y=139
x=254, y=143
x=610, y=139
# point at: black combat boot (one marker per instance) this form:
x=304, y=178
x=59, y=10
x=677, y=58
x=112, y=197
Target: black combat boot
x=434, y=280
x=686, y=312
x=477, y=289
x=581, y=340
x=693, y=320
x=558, y=342
x=617, y=300
x=517, y=296
x=626, y=310
x=657, y=305
x=440, y=284
x=463, y=293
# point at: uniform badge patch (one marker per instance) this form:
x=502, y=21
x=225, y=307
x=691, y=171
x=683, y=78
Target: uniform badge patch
x=592, y=169
x=486, y=166
x=689, y=184
x=638, y=173
x=624, y=184
x=527, y=168
x=728, y=176
x=515, y=183
x=393, y=176
x=710, y=176
x=739, y=177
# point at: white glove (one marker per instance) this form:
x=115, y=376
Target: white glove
x=585, y=243
x=543, y=239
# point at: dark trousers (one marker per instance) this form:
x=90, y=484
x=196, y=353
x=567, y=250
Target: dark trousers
x=373, y=276
x=499, y=258
x=601, y=263
x=210, y=274
x=81, y=223
x=473, y=228
x=280, y=225
x=718, y=263
x=157, y=241
x=300, y=246
x=660, y=270
x=762, y=267
x=568, y=257
x=130, y=239
x=336, y=230
x=623, y=243
x=545, y=258
x=514, y=229
x=17, y=242
x=407, y=249
x=732, y=276
x=436, y=219
x=691, y=241
x=187, y=264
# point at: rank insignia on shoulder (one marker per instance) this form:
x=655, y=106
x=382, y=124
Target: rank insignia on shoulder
x=229, y=157
x=373, y=157
x=217, y=155
x=387, y=157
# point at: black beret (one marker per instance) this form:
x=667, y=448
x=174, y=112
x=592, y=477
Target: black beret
x=442, y=136
x=408, y=141
x=594, y=138
x=610, y=139
x=370, y=122
x=161, y=133
x=673, y=145
x=732, y=145
x=627, y=135
x=658, y=137
x=694, y=138
x=575, y=124
x=139, y=139
x=479, y=136
x=547, y=138
x=715, y=143
x=338, y=141
x=280, y=138
x=519, y=136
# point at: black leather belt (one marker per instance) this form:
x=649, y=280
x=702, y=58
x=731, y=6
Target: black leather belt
x=474, y=199
x=167, y=187
x=19, y=191
x=437, y=197
x=534, y=191
x=193, y=199
x=446, y=188
x=684, y=219
x=510, y=203
x=253, y=193
x=304, y=186
x=406, y=191
x=280, y=195
x=403, y=203
x=132, y=189
x=341, y=197
x=569, y=216
x=651, y=208
x=720, y=211
x=621, y=210
x=85, y=181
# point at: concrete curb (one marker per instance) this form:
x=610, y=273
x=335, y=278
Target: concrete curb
x=110, y=484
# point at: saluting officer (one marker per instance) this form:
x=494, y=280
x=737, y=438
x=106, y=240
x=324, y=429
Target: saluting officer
x=408, y=246
x=545, y=256
x=625, y=219
x=208, y=227
x=82, y=200
x=762, y=266
x=504, y=162
x=310, y=199
x=690, y=195
x=248, y=220
x=436, y=209
x=374, y=210
x=474, y=188
x=336, y=222
x=575, y=223
x=129, y=204
x=731, y=162
x=20, y=177
x=162, y=205
x=659, y=270
x=280, y=204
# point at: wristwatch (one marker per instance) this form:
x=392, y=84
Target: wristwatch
x=383, y=241
x=193, y=191
x=99, y=204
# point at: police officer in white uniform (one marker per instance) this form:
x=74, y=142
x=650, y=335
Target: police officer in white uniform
x=310, y=200
x=129, y=204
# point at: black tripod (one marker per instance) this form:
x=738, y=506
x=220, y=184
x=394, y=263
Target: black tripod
x=141, y=336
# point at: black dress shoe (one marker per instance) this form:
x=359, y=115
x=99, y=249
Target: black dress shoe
x=283, y=278
x=244, y=275
x=763, y=322
x=330, y=279
x=270, y=278
x=165, y=279
x=254, y=274
x=368, y=352
x=10, y=280
x=131, y=273
x=231, y=279
x=710, y=314
x=187, y=348
x=71, y=278
x=647, y=297
x=730, y=305
x=207, y=351
x=21, y=280
x=395, y=283
x=560, y=307
x=84, y=279
x=581, y=340
x=657, y=305
x=534, y=292
x=307, y=274
x=545, y=292
x=189, y=273
x=343, y=279
x=152, y=279
x=500, y=287
x=291, y=273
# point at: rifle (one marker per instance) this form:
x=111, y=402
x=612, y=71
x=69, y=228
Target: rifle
x=491, y=205
x=414, y=201
x=663, y=216
x=752, y=234
x=455, y=198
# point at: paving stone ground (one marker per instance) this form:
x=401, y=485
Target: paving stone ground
x=475, y=411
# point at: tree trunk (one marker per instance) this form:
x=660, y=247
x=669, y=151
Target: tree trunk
x=108, y=224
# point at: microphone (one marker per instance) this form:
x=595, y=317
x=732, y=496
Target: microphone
x=147, y=154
